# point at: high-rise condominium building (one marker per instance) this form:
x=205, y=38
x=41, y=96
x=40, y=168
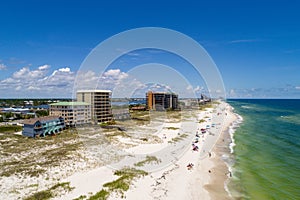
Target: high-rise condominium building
x=74, y=113
x=100, y=102
x=161, y=100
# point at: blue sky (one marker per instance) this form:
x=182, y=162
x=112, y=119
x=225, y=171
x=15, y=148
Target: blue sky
x=255, y=44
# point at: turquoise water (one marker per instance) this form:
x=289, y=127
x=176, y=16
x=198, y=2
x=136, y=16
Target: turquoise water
x=266, y=155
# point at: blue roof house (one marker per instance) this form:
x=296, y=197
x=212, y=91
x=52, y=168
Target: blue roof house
x=43, y=126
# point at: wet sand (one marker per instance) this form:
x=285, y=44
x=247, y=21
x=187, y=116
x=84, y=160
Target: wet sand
x=220, y=172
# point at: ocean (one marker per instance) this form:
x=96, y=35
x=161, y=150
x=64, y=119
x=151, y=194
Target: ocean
x=265, y=153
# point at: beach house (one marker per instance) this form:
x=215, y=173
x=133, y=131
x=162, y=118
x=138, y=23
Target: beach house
x=43, y=126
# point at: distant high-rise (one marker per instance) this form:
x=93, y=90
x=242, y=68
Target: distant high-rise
x=161, y=100
x=100, y=102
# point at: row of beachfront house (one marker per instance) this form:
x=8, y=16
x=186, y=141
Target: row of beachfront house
x=91, y=106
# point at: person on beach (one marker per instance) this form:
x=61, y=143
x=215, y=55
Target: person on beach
x=230, y=174
x=190, y=166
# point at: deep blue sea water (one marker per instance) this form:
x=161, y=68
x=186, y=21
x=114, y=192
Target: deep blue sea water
x=266, y=155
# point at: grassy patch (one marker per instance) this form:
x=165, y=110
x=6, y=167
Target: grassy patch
x=81, y=197
x=174, y=115
x=33, y=185
x=122, y=184
x=50, y=193
x=201, y=121
x=112, y=122
x=64, y=185
x=113, y=133
x=207, y=105
x=28, y=156
x=101, y=195
x=140, y=116
x=144, y=139
x=10, y=129
x=149, y=159
x=42, y=195
x=172, y=128
x=178, y=138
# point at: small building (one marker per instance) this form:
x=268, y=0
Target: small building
x=74, y=113
x=121, y=114
x=43, y=126
x=138, y=108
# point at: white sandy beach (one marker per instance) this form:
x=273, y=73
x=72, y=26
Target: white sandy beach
x=169, y=179
x=174, y=181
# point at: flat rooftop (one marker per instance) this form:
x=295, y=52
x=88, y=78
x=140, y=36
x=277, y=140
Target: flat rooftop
x=71, y=103
x=83, y=91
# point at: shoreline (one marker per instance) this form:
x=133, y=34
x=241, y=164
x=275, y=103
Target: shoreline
x=220, y=173
x=171, y=178
x=208, y=178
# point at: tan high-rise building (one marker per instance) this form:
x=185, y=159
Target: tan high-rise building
x=161, y=101
x=100, y=102
x=74, y=113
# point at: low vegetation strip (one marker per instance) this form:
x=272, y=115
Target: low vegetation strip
x=202, y=121
x=32, y=157
x=50, y=193
x=120, y=185
x=149, y=159
x=101, y=195
x=178, y=138
x=10, y=129
x=172, y=128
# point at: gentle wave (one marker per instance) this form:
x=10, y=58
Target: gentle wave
x=232, y=129
x=266, y=150
x=229, y=158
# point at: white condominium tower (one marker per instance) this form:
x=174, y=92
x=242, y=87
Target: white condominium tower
x=100, y=102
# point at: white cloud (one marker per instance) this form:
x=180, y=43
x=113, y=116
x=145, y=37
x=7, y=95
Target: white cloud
x=2, y=66
x=244, y=41
x=287, y=91
x=18, y=88
x=189, y=87
x=21, y=73
x=121, y=83
x=44, y=67
x=25, y=73
x=115, y=74
x=37, y=82
x=113, y=79
x=67, y=69
x=199, y=89
x=33, y=88
x=232, y=93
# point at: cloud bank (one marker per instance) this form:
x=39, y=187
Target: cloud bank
x=46, y=82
